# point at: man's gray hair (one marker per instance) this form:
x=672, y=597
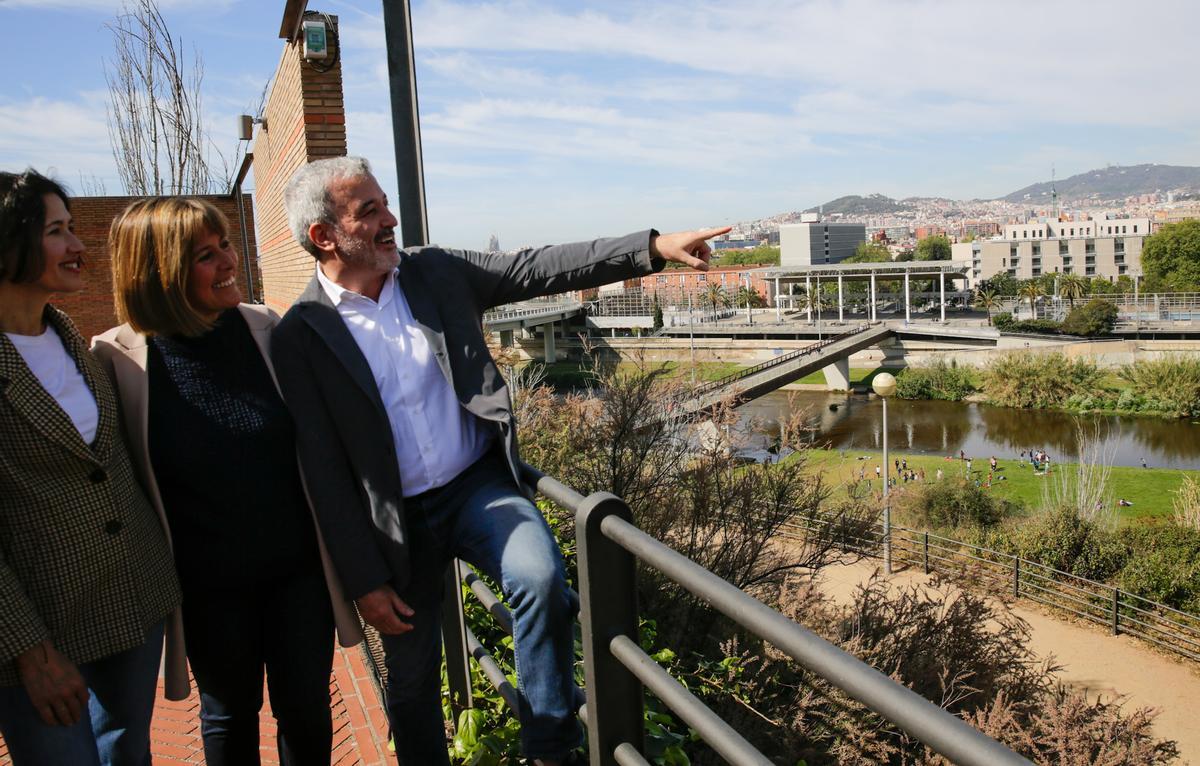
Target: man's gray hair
x=306, y=196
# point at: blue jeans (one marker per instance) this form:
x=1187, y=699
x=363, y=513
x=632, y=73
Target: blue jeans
x=482, y=517
x=116, y=730
x=284, y=627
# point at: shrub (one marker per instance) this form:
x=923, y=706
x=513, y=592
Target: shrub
x=1096, y=317
x=1061, y=540
x=1023, y=379
x=1003, y=321
x=1164, y=565
x=1169, y=384
x=956, y=503
x=938, y=380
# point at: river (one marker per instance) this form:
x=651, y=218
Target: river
x=979, y=430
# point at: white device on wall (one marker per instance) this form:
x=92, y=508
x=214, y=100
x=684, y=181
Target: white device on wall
x=315, y=39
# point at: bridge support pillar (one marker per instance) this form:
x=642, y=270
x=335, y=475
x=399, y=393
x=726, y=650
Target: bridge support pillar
x=778, y=305
x=837, y=375
x=548, y=343
x=942, y=281
x=506, y=339
x=872, y=311
x=808, y=296
x=841, y=314
x=907, y=313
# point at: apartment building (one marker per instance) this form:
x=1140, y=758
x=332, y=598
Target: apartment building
x=1107, y=248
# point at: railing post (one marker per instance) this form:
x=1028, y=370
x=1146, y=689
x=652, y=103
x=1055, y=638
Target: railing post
x=926, y=553
x=1116, y=612
x=1016, y=577
x=608, y=608
x=454, y=638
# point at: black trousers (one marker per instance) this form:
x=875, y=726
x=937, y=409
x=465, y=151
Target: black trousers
x=284, y=627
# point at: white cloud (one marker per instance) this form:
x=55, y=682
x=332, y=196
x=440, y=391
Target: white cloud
x=56, y=136
x=108, y=6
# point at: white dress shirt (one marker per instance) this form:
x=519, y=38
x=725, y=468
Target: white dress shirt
x=436, y=437
x=55, y=369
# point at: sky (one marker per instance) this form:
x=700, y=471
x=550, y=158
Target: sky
x=553, y=121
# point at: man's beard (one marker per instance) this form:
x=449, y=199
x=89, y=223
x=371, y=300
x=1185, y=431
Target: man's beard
x=362, y=253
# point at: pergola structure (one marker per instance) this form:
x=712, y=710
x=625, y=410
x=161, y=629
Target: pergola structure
x=865, y=272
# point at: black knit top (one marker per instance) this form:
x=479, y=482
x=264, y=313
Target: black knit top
x=222, y=444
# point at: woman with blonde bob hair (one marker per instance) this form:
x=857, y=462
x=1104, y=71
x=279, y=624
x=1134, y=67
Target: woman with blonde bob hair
x=215, y=446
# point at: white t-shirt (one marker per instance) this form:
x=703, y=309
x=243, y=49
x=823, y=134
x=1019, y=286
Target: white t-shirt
x=54, y=368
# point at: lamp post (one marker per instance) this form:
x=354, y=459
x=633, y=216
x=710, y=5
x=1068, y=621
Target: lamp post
x=885, y=385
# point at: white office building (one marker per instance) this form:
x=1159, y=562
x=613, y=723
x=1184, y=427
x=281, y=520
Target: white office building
x=818, y=243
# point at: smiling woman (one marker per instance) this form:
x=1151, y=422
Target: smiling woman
x=85, y=572
x=215, y=446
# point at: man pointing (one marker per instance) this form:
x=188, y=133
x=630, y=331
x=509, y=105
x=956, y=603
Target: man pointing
x=407, y=438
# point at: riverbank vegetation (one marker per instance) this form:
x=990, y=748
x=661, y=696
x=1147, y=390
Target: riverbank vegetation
x=1167, y=386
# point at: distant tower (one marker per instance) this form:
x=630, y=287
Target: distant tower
x=1054, y=196
x=493, y=244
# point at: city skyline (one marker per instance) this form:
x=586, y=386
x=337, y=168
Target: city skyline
x=547, y=121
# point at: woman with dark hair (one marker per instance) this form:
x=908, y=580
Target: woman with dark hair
x=215, y=447
x=86, y=577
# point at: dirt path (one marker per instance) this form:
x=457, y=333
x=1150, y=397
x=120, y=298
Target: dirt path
x=1092, y=659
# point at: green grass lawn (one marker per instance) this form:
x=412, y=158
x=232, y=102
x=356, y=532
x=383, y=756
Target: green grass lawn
x=1151, y=490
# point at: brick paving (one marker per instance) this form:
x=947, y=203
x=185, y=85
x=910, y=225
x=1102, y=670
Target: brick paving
x=359, y=723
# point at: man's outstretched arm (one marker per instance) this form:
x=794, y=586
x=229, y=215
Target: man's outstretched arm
x=496, y=278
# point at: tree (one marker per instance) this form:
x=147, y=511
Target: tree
x=1031, y=290
x=1071, y=287
x=715, y=297
x=1172, y=256
x=1001, y=284
x=870, y=252
x=1096, y=317
x=748, y=297
x=658, y=314
x=987, y=300
x=935, y=248
x=763, y=255
x=154, y=113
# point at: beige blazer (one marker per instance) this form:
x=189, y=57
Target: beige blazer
x=123, y=351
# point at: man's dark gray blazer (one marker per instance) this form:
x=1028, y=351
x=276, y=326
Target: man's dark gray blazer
x=343, y=433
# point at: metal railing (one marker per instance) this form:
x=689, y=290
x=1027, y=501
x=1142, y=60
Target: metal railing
x=720, y=383
x=617, y=670
x=1096, y=602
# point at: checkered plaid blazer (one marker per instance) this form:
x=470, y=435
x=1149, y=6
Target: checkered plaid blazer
x=84, y=560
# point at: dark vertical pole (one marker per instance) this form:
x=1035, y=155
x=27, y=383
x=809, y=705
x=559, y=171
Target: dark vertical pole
x=926, y=553
x=1116, y=612
x=1016, y=577
x=454, y=639
x=406, y=126
x=608, y=608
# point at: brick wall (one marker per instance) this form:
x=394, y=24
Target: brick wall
x=305, y=120
x=92, y=309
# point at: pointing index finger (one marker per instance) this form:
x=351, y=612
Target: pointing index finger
x=710, y=233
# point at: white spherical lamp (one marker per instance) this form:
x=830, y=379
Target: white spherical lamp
x=884, y=384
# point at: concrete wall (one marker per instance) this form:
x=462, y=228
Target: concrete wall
x=305, y=120
x=92, y=309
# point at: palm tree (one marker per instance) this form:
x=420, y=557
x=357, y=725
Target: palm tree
x=1031, y=291
x=987, y=300
x=1071, y=286
x=714, y=296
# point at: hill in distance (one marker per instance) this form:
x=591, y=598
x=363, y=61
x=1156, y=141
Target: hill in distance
x=855, y=205
x=1111, y=183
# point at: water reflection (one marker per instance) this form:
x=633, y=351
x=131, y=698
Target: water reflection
x=944, y=428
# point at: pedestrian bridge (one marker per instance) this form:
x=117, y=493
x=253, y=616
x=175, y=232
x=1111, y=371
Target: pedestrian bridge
x=831, y=355
x=753, y=382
